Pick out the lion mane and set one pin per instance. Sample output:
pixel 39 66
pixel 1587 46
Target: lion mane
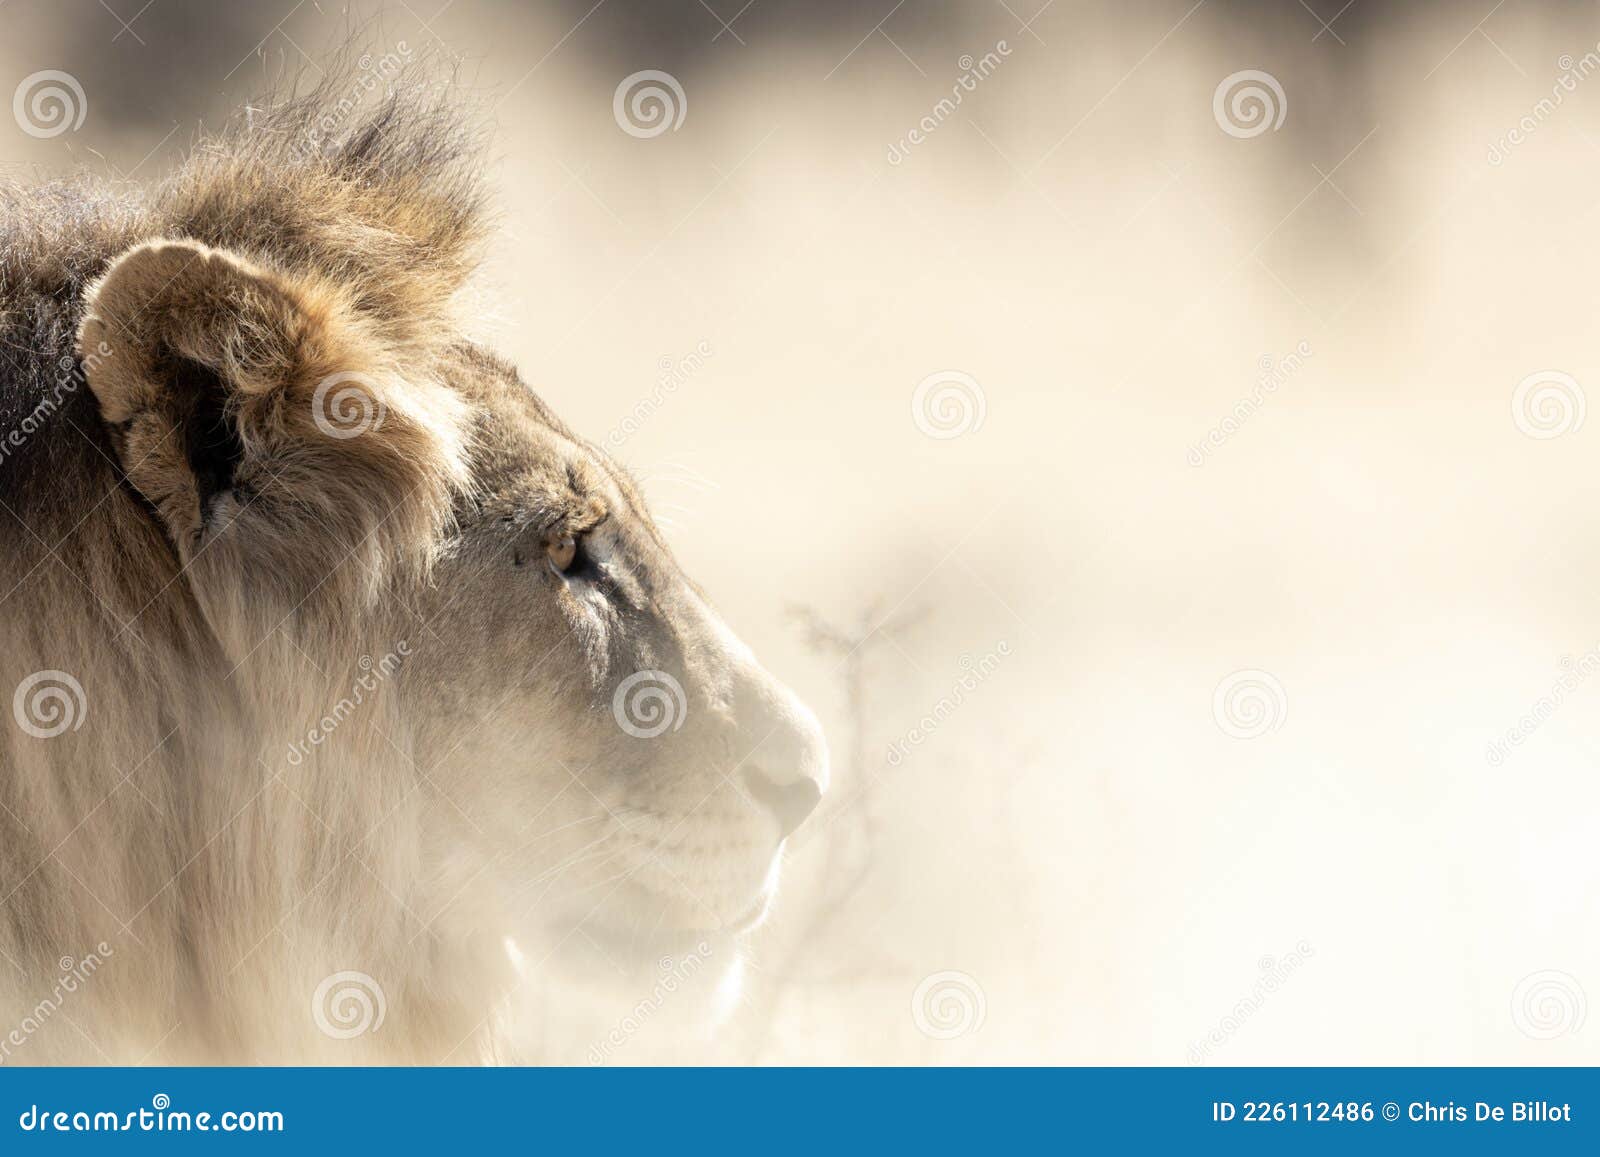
pixel 350 246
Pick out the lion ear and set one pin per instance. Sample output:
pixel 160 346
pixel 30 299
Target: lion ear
pixel 177 341
pixel 261 412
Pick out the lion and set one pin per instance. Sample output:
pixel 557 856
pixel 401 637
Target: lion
pixel 357 700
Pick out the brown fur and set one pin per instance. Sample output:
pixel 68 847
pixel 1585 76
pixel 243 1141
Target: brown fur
pixel 328 707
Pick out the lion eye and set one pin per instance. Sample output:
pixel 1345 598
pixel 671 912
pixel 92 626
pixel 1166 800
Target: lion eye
pixel 562 552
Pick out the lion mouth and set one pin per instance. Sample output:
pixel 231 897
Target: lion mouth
pixel 638 939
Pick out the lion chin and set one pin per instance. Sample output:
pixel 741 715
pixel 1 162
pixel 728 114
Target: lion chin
pixel 361 712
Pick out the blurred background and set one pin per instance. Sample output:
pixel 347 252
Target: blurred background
pixel 1152 435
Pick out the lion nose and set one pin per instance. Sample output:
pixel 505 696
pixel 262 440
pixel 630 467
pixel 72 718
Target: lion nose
pixel 787 772
pixel 790 803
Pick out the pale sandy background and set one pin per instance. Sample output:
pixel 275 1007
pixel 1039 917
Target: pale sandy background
pixel 1119 878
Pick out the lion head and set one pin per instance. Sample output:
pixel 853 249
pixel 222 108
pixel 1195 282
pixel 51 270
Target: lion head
pixel 412 682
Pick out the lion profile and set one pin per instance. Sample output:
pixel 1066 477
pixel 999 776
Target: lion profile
pixel 352 693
